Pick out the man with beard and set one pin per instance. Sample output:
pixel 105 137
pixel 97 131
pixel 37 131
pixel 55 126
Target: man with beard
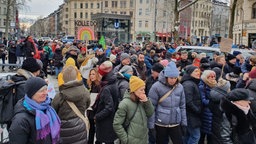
pixel 184 60
pixel 141 66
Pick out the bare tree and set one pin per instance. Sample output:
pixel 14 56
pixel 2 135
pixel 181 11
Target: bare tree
pixel 232 18
pixel 177 10
pixel 12 5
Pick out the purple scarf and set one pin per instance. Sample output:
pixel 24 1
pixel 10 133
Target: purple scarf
pixel 46 123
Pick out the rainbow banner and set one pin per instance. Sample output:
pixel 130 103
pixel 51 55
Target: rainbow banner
pixel 85 33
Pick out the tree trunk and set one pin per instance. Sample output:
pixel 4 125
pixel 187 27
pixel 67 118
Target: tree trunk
pixel 232 19
pixel 8 6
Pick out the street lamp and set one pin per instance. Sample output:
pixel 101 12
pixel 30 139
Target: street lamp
pixel 242 26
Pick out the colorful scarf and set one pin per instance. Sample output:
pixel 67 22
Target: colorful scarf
pixel 47 122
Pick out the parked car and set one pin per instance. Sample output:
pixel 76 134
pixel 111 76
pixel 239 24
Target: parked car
pixel 210 50
pixel 66 39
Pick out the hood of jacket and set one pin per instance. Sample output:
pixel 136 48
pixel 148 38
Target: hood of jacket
pixel 187 77
pixel 162 78
pixel 73 91
pixel 19 108
pixel 216 94
pixel 252 85
pixel 110 78
pixel 21 75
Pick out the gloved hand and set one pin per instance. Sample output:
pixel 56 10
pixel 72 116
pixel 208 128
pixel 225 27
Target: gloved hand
pixel 152 133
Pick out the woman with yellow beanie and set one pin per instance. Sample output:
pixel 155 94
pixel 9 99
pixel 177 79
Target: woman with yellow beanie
pixel 69 62
pixel 130 122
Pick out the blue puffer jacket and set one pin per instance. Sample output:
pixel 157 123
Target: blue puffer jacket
pixel 206 113
pixel 172 110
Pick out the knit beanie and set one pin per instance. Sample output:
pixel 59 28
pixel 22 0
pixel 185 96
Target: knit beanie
pixel 105 68
pixel 124 56
pixel 30 64
pixel 189 69
pixel 69 74
pixel 171 70
pixel 33 84
pixel 235 53
pixel 157 67
pixel 239 94
pixel 135 83
pixel 230 57
pixel 252 74
pixel 70 62
pixel 126 69
pixel 112 57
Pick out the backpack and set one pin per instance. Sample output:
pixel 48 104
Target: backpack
pixel 8 99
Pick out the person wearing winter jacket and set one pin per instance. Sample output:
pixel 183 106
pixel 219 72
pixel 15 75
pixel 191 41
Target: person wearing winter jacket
pixel 236 107
pixel 73 128
pixel 208 81
pixel 130 122
pixel 35 121
pixel 190 81
pixel 221 129
pixel 170 112
pixel 57 61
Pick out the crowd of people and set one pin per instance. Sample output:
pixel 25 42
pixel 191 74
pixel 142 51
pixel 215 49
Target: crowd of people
pixel 145 95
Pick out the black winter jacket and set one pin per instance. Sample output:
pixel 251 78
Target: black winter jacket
pixel 29 48
pixel 23 128
pixel 105 112
pixel 251 86
pixel 221 129
pixel 193 100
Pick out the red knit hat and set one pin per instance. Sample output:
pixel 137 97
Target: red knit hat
pixel 252 73
pixel 83 49
pixel 105 68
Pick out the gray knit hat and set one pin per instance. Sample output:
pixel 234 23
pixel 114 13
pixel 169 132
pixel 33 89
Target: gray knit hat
pixel 126 69
pixel 124 56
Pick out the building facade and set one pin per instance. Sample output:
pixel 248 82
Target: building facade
pixel 244 30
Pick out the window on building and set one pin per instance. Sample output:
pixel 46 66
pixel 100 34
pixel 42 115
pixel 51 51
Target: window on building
pixel 131 3
pixel 86 15
pixel 147 12
pixel 86 5
pixel 5 11
pixel 195 32
pixel 254 11
pixel 141 1
pixel 146 24
pixel 81 15
pixel 106 3
pixel 131 13
pixel 147 1
pixel 196 23
pixel 75 5
pixel 140 24
pixel 4 22
pixel 164 25
pixel 66 22
pixel 66 16
pixel 66 9
pixel 123 4
pixel 91 14
pixel 75 15
pixel 91 5
pixel 164 13
pixel 192 23
pixel 114 4
pixel 81 5
pixel 140 11
pixel 98 5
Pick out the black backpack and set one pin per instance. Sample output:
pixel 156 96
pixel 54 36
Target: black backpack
pixel 8 98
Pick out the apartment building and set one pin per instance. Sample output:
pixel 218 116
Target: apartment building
pixel 244 30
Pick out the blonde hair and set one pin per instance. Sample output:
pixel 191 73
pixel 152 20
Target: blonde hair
pixel 98 78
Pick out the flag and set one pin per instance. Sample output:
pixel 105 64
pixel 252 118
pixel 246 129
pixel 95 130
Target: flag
pixel 102 42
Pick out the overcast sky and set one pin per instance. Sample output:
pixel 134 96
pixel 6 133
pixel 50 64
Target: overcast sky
pixel 38 8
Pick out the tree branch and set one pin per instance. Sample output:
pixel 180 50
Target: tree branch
pixel 187 5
